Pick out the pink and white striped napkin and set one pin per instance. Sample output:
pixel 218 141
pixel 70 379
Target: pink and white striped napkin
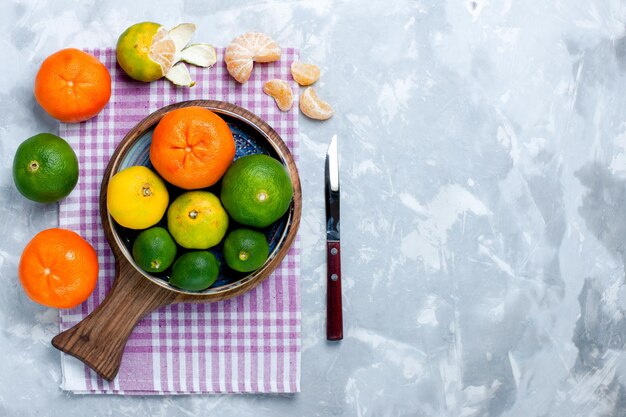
pixel 247 344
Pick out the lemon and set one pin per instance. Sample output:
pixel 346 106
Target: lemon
pixel 137 198
pixel 197 220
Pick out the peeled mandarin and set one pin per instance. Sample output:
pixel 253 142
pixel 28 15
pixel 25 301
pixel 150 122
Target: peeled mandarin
pixel 246 49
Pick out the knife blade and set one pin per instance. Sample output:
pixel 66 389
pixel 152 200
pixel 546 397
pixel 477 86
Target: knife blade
pixel 334 314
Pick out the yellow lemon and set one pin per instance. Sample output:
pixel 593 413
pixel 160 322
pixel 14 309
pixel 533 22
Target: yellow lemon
pixel 137 198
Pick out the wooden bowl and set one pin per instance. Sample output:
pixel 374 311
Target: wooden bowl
pixel 99 339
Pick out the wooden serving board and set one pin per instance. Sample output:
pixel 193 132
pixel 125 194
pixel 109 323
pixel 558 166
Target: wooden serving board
pixel 99 339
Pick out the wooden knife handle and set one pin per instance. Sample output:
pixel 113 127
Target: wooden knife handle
pixel 99 339
pixel 334 314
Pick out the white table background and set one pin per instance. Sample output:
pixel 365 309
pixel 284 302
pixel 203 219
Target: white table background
pixel 483 163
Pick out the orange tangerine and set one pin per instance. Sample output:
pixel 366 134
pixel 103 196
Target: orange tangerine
pixel 58 268
pixel 192 147
pixel 72 86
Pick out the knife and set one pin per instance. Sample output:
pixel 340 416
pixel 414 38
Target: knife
pixel 334 315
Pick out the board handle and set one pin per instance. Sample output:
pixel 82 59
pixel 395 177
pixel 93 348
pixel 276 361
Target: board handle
pixel 99 339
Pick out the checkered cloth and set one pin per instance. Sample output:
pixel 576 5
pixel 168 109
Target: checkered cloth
pixel 247 344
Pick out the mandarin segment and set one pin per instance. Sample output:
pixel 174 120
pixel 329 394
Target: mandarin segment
pixel 305 74
pixel 163 49
pixel 313 107
pixel 246 49
pixel 281 92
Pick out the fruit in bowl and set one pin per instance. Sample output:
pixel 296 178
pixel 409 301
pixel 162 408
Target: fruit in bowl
pixel 154 250
pixel 245 250
pixel 192 147
pixel 256 190
pixel 137 198
pixel 195 271
pixel 191 151
pixel 197 220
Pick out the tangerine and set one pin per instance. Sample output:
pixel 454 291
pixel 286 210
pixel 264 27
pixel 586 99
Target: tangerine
pixel 58 268
pixel 72 86
pixel 197 220
pixel 256 190
pixel 45 168
pixel 145 51
pixel 192 147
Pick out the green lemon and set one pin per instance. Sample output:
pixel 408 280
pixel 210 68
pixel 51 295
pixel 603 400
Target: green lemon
pixel 245 250
pixel 45 168
pixel 154 250
pixel 197 220
pixel 195 271
pixel 256 190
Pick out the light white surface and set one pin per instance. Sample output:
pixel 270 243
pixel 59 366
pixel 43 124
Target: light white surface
pixel 483 179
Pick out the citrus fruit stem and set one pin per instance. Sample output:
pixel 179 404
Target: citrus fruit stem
pixel 146 190
pixel 155 264
pixel 262 196
pixel 243 255
pixel 33 166
pixel 193 214
pixel 46 271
